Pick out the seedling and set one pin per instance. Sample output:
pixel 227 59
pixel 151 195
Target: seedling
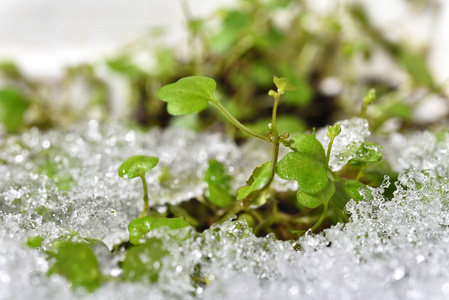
pixel 137 166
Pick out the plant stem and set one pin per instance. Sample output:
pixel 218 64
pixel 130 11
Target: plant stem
pixel 145 197
pixel 236 122
pixel 245 203
pixel 329 148
pixel 323 215
pixel 363 112
pixel 235 209
pixel 275 141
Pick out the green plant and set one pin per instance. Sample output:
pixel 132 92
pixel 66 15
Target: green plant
pixel 137 166
pixel 307 163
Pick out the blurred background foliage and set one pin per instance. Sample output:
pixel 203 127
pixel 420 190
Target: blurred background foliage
pixel 333 58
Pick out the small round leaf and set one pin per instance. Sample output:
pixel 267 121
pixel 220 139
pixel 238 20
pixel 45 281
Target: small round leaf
pixel 138 228
pixel 309 172
pixel 283 84
pixel 188 95
pixel 78 264
pixel 307 144
pixel 345 192
pixel 137 166
pixel 315 200
pixel 143 262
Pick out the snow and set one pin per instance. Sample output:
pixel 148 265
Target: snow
pixel 392 248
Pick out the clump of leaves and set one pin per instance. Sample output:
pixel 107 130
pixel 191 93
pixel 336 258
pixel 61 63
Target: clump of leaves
pixel 307 164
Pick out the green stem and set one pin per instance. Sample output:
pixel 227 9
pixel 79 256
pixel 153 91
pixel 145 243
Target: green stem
pixel 329 148
pixel 275 141
pixel 145 197
pixel 235 209
pixel 236 122
pixel 363 112
pixel 244 204
pixel 323 216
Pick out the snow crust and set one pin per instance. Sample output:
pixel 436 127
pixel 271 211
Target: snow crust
pixel 392 248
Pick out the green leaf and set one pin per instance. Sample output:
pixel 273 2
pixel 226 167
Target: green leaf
pixel 309 172
pixel 352 188
pixel 78 264
pixel 257 181
pixel 218 182
pixel 188 95
pixel 283 84
pixel 366 153
pixel 144 262
pixel 309 145
pixel 172 223
pixel 138 228
pixel 218 196
pixel 137 166
pixel 35 241
pixel 345 192
pixel 316 199
pixel 12 109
